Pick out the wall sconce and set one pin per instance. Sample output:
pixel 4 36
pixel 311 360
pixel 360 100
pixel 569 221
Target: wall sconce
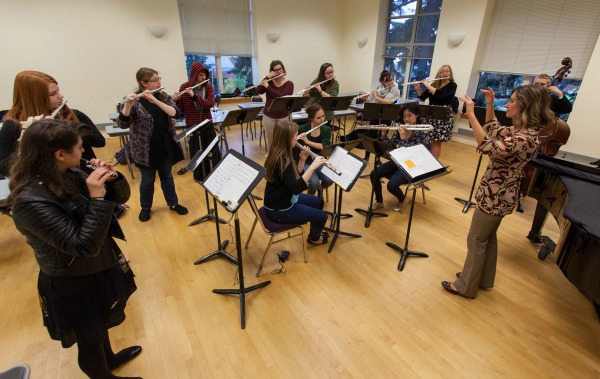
pixel 456 39
pixel 157 31
pixel 273 36
pixel 362 41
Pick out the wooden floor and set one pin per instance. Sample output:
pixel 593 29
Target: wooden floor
pixel 347 314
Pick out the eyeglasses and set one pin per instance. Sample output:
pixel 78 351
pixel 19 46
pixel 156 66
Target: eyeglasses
pixel 154 80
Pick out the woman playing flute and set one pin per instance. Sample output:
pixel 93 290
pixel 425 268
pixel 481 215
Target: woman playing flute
pixel 316 140
pixel 274 88
pixel 401 138
pixel 153 147
pixel 439 92
pixel 36 93
pixel 284 202
pixel 330 88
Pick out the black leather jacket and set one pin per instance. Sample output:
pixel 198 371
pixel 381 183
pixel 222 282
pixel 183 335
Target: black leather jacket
pixel 70 238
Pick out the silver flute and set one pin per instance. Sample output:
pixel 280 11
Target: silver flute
pixel 177 95
pixel 268 80
pixel 429 80
pixel 314 85
pixel 308 132
pixel 57 110
pixel 315 155
pixel 89 165
pixel 423 127
pixel 139 95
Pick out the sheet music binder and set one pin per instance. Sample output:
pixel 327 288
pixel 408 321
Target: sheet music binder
pixel 416 162
pixel 191 130
pixel 233 179
pixel 350 165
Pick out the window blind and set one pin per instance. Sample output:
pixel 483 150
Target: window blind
pixel 533 36
pixel 216 27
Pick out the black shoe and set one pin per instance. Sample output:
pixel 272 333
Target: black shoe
pixel 448 288
pixel 124 356
pixel 144 215
pixel 179 209
pixel 182 171
pixel 458 274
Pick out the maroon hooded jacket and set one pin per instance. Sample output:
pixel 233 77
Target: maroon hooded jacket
pixel 203 100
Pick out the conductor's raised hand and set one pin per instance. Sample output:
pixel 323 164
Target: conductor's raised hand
pixel 469 104
pixel 489 95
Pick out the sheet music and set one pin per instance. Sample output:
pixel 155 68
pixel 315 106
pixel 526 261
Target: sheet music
pixel 344 163
pixel 415 160
pixel 191 130
pixel 229 181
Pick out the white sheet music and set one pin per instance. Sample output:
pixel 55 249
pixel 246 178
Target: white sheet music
pixel 415 160
pixel 344 163
pixel 229 181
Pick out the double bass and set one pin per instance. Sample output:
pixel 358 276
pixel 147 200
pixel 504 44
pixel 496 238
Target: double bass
pixel 553 135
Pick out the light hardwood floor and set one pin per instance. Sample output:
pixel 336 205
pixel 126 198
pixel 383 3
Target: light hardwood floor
pixel 345 314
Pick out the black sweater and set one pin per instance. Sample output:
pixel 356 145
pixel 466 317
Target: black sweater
pixel 278 194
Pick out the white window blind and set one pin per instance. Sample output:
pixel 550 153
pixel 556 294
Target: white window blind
pixel 216 27
pixel 533 36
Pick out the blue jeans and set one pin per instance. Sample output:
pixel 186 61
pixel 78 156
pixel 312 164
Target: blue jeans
pixel 316 177
pixel 166 183
pixel 309 208
pixel 396 179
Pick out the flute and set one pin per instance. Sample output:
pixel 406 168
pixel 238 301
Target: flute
pixel 55 113
pixel 315 155
pixel 308 132
pixel 314 85
pixel 422 127
pixel 139 95
pixel 378 91
pixel 268 80
pixel 89 165
pixel 429 80
pixel 177 95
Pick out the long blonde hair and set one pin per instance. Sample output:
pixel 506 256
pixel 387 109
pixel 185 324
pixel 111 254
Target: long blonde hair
pixel 280 151
pixel 534 102
pixel 438 83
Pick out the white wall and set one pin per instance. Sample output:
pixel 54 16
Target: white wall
pixel 92 48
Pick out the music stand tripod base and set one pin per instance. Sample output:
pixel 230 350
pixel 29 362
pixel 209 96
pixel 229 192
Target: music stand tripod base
pixel 220 253
pixel 468 204
pixel 405 253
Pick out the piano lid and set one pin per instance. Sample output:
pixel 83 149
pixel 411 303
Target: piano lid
pixel 569 164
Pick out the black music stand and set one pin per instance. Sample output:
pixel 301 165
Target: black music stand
pixel 480 114
pixel 196 160
pixel 327 151
pixel 213 213
pixel 353 166
pixel 415 183
pixel 332 104
pixel 434 112
pixel 379 148
pixel 380 112
pixel 289 104
pixel 231 182
pixel 247 115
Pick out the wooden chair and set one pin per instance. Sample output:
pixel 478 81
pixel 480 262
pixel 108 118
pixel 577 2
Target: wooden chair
pixel 273 229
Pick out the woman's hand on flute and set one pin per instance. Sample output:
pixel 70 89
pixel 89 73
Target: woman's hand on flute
pixel 101 164
pixel 317 162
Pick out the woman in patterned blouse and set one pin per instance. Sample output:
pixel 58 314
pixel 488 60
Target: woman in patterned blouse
pixel 509 149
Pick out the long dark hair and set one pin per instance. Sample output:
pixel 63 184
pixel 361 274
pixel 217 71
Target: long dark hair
pixel 321 76
pixel 414 109
pixel 280 151
pixel 36 162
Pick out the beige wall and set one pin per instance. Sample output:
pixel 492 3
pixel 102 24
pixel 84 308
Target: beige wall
pixel 92 48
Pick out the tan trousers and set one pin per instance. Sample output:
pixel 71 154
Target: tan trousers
pixel 269 125
pixel 479 270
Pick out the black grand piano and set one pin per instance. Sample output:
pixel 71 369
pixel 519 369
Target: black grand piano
pixel 569 189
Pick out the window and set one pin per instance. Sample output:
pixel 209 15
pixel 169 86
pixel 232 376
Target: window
pixel 235 72
pixel 410 41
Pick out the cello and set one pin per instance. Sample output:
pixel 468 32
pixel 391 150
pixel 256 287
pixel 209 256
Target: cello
pixel 553 135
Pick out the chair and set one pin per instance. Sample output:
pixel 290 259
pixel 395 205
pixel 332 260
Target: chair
pixel 273 229
pixel 16 372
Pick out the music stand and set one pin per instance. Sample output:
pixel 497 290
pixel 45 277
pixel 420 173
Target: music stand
pixel 380 112
pixel 212 213
pixel 289 104
pixel 353 166
pixel 434 112
pixel 327 151
pixel 378 148
pixel 480 114
pixel 332 104
pixel 416 181
pixel 231 182
pixel 247 115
